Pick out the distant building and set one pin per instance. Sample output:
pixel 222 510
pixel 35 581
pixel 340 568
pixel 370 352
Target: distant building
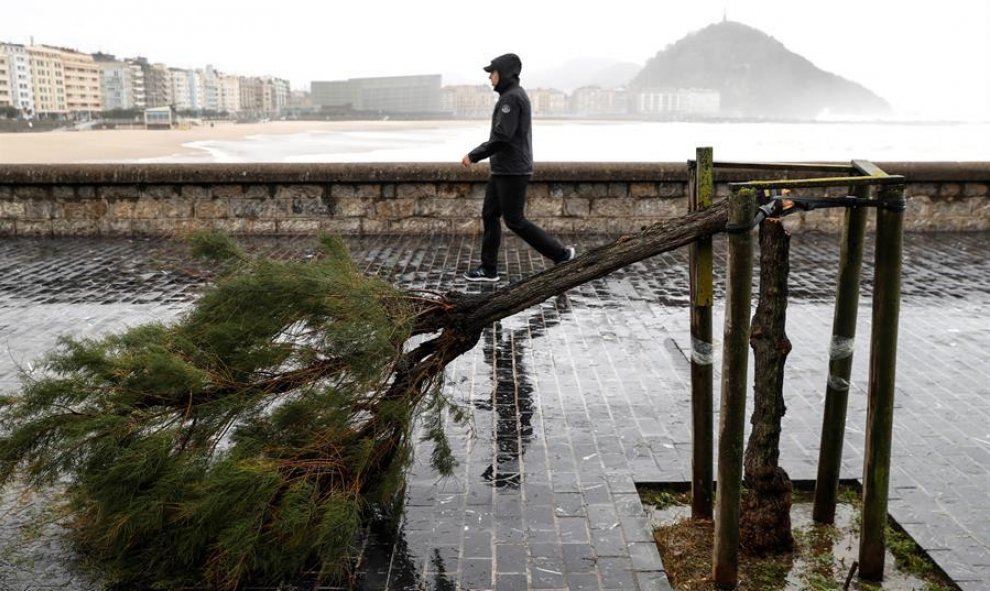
pixel 17 78
pixel 186 90
pixel 335 93
pixel 121 83
pixel 82 82
pixel 391 94
pixel 597 101
pixel 678 101
pixel 158 118
pixel 230 93
pixel 548 102
pixel 252 95
pixel 300 100
pixel 467 101
pixel 5 100
pixel 275 94
pixel 210 83
pixel 157 83
pixel 56 82
pixel 47 81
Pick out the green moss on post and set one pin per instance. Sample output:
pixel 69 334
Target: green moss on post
pixel 702 490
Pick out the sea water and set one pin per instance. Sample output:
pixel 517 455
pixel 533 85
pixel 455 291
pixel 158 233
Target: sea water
pixel 612 141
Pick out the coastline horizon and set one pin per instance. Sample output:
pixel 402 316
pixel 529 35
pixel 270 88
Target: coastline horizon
pixel 555 140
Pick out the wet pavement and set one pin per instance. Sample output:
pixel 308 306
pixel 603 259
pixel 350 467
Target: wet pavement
pixel 572 403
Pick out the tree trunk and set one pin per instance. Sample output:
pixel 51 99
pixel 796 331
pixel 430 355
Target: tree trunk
pixel 765 523
pixel 459 318
pixel 466 313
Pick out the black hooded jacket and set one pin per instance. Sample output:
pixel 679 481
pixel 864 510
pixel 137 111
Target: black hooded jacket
pixel 510 145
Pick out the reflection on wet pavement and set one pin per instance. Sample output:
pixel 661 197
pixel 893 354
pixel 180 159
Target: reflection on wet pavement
pixel 512 397
pixel 575 400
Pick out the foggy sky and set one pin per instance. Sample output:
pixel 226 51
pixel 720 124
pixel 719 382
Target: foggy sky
pixel 929 59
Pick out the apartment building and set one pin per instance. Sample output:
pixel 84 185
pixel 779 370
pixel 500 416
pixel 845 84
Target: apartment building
pixel 121 83
pixel 279 91
pixel 157 83
pixel 468 101
pixel 47 81
pixel 548 102
pixel 186 89
pixel 5 93
pixel 17 81
pixel 230 93
pixel 211 88
pixel 676 101
pixel 81 77
pixel 596 101
pixel 252 91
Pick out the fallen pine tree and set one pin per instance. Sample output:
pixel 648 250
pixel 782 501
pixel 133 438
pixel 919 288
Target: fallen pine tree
pixel 250 440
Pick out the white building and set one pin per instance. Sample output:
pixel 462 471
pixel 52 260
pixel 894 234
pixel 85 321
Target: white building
pixel 121 85
pixel 210 83
pixel 275 94
pixel 158 118
pixel 186 94
pixel 597 101
pixel 677 101
pixel 20 92
pixel 230 93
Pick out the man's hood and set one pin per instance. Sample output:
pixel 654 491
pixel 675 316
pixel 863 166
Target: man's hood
pixel 509 66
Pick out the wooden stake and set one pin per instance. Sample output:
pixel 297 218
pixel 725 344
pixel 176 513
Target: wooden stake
pixel 702 358
pixel 840 361
pixel 732 422
pixel 883 361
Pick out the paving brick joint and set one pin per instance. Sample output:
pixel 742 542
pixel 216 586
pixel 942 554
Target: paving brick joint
pixel 571 403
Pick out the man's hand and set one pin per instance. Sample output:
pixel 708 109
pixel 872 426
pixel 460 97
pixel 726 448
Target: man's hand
pixel 466 161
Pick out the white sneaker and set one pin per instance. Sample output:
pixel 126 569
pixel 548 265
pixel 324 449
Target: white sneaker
pixel 480 274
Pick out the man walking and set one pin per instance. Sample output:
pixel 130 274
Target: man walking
pixel 510 147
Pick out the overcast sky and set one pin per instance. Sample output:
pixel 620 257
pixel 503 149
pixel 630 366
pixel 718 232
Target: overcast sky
pixel 929 58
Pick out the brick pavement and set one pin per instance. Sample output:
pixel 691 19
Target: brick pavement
pixel 575 401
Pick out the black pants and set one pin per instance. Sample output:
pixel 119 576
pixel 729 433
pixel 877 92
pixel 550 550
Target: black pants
pixel 505 198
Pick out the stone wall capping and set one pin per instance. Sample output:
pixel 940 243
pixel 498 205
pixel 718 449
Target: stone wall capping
pixel 153 199
pixel 399 172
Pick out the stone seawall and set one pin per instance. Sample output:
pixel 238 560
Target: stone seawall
pixel 121 200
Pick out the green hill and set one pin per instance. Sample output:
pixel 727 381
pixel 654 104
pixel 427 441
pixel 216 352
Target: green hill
pixel 756 75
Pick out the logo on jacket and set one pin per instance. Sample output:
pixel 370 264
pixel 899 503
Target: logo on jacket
pixel 505 108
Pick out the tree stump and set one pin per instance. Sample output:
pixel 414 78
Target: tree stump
pixel 765 522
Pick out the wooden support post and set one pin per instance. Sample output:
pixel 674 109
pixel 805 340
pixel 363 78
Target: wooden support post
pixel 702 358
pixel 883 361
pixel 735 358
pixel 840 361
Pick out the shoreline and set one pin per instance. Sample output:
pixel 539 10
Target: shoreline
pixel 560 140
pixel 128 145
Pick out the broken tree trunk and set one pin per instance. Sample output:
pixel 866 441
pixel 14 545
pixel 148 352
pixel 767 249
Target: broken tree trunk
pixel 467 313
pixel 250 439
pixel 765 522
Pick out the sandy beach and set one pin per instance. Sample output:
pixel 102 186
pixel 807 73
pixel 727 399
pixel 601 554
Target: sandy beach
pixel 301 142
pixel 127 145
